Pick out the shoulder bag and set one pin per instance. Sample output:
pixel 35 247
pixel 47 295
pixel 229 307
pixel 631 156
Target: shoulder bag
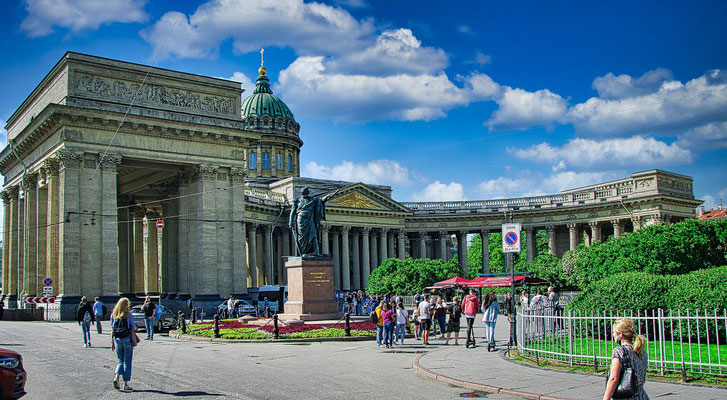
pixel 628 385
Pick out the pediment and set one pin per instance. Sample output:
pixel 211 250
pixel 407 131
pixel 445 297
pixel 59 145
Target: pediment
pixel 360 196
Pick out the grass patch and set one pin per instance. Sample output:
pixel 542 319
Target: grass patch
pixel 324 333
pixel 239 334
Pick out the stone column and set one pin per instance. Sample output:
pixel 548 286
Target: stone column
pixel 430 246
pixel 108 219
pixel 636 221
pixel 401 239
pixel 269 262
pixel 31 220
pixel 205 243
pixel 462 250
pixel 345 259
pixel 383 242
pixel 374 250
pixel 260 255
pixel 138 237
pixel 365 255
pixel 485 234
pixel 325 246
pixel 259 160
pixel 532 251
pixel 595 231
pixel 618 227
pixel 285 233
pixel 443 245
pixel 252 256
pixel 40 230
pixel 278 245
pixel 69 260
pixel 239 247
pixel 53 221
pixel 7 226
pixel 20 244
pixel 552 245
pixel 151 257
pixel 573 236
pixel 422 244
pixel 390 245
pixel 12 254
pixel 356 260
pixel 336 260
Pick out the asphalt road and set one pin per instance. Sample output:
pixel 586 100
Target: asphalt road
pixel 60 368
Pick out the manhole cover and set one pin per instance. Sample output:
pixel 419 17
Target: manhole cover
pixel 472 395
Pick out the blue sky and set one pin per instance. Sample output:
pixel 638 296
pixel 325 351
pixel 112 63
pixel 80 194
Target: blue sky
pixel 441 100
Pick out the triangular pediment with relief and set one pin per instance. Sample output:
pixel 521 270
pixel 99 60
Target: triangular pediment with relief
pixel 360 196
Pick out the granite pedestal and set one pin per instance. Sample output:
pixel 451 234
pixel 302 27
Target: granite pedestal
pixel 310 290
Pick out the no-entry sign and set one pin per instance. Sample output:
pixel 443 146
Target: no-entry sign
pixel 160 224
pixel 511 238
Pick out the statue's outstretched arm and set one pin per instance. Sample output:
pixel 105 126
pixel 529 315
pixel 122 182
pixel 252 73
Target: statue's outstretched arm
pixel 329 195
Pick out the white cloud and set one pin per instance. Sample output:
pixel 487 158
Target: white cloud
pixel 684 104
pixel 309 88
pixel 244 80
pixel 504 187
pixel 711 136
pixel 520 109
pixel 611 86
pixel 482 58
pixel 377 172
pixel 535 184
pixel 572 180
pixel 588 153
pixel 309 28
pixel 352 3
pixel 712 201
pixel 396 51
pixel 438 191
pixel 77 15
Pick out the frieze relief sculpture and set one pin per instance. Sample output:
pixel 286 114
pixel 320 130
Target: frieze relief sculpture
pixel 154 94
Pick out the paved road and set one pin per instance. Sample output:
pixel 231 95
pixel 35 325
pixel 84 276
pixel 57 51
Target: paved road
pixel 60 368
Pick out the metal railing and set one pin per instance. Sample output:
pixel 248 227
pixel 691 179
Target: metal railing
pixel 677 340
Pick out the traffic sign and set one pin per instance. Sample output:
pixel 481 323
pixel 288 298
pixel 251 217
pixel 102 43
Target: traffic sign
pixel 39 300
pixel 48 291
pixel 160 224
pixel 47 282
pixel 511 238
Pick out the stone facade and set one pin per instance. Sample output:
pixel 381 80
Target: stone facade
pixel 106 152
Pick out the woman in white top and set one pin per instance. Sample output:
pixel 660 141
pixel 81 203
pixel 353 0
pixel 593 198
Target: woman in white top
pixel 402 318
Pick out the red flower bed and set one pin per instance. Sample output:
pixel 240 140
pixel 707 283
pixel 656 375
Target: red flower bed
pixel 285 329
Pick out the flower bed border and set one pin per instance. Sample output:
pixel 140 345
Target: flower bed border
pixel 183 336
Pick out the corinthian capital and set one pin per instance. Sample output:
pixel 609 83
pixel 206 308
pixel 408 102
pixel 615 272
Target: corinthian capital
pixel 109 162
pixel 206 172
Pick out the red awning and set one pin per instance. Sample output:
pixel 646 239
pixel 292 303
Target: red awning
pixel 504 281
pixel 457 280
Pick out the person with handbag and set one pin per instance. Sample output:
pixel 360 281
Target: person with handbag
pixel 123 340
pixel 627 374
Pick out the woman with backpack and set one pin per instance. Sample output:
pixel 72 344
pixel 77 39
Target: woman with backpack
pixel 455 314
pixel 123 328
pixel 490 309
pixel 84 317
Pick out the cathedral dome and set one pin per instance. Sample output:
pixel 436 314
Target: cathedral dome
pixel 265 111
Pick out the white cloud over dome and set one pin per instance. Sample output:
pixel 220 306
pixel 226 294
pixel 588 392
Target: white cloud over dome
pixel 582 153
pixel 521 109
pixel 438 191
pixel 377 172
pixel 78 15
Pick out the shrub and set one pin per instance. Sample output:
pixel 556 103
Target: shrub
pixel 411 275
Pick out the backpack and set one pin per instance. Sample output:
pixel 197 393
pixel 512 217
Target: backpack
pixel 456 312
pixel 373 317
pixel 120 328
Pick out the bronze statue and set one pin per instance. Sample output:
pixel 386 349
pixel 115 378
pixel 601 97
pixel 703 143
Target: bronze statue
pixel 305 222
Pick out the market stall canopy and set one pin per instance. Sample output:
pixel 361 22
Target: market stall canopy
pixel 457 280
pixel 504 281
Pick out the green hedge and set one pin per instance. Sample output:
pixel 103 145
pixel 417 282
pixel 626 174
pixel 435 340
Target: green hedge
pixel 411 275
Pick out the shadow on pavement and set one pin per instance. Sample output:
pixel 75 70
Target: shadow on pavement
pixel 178 394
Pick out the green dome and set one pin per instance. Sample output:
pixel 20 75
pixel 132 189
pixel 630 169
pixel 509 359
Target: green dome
pixel 263 103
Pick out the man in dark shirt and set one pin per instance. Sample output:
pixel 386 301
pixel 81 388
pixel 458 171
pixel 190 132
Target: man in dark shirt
pixel 149 315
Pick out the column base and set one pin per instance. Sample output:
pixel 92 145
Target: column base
pixel 68 306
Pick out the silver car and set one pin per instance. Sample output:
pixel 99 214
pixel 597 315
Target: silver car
pixel 166 320
pixel 244 307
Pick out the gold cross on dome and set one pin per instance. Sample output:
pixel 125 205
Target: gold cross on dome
pixel 262 57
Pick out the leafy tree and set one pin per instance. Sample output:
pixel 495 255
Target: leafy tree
pixel 411 275
pixel 497 257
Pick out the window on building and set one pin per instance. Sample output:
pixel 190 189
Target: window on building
pixel 266 160
pixel 252 163
pixel 279 162
pixel 290 163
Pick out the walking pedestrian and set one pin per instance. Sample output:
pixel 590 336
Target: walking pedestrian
pixel 415 321
pixel 122 329
pixel 441 315
pixel 630 352
pixel 525 300
pixel 99 309
pixel 470 305
pixel 453 325
pixel 536 303
pixel 149 314
pixel 379 324
pixel 231 307
pixel 490 310
pixel 85 317
pixel 402 321
pixel 425 318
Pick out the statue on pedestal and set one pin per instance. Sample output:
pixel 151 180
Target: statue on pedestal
pixel 305 222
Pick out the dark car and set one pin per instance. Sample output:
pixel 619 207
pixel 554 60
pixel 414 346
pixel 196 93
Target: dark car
pixel 165 320
pixel 12 375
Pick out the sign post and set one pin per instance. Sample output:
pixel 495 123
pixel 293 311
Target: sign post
pixel 511 244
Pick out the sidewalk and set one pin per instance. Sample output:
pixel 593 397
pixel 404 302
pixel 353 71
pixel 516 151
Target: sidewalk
pixel 491 372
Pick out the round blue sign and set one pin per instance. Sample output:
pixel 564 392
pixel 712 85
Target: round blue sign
pixel 47 281
pixel 511 238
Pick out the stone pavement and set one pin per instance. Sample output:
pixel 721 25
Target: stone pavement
pixel 491 372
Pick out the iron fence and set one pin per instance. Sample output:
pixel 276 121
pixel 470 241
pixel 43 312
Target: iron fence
pixel 677 340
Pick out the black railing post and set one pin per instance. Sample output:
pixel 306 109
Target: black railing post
pixel 217 325
pixel 276 331
pixel 347 328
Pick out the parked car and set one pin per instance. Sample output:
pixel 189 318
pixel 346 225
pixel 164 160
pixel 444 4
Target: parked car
pixel 12 375
pixel 244 307
pixel 165 320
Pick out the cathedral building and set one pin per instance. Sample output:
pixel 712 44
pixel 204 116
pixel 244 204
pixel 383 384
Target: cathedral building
pixel 103 150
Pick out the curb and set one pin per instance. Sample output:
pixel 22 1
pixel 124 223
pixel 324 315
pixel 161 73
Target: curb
pixel 477 386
